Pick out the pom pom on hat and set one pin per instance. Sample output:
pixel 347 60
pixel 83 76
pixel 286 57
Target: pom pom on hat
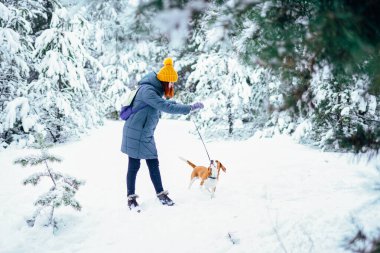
pixel 167 73
pixel 168 61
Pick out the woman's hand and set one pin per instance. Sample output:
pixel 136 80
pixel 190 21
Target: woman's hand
pixel 196 106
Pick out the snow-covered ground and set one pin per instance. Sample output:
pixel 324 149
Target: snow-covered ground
pixel 277 196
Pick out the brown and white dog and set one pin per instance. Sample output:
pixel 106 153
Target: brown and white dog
pixel 208 175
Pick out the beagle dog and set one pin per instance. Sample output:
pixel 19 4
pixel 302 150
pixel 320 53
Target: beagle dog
pixel 208 175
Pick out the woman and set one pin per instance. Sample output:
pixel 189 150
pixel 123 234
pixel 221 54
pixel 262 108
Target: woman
pixel 138 133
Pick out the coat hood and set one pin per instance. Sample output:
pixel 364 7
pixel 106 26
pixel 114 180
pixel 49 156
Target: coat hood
pixel 151 79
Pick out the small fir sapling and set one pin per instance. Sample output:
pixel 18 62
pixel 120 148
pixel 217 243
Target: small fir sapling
pixel 63 187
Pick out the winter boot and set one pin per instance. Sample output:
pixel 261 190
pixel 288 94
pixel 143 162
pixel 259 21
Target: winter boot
pixel 132 203
pixel 165 200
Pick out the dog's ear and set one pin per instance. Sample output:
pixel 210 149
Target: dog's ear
pixel 220 165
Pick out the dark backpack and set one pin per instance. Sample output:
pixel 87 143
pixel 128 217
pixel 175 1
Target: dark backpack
pixel 126 109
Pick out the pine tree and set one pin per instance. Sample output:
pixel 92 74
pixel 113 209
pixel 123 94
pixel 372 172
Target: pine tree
pixel 29 97
pixel 126 45
pixel 224 85
pixel 298 40
pixel 15 56
pixel 215 75
pixel 61 95
pixel 109 19
pixel 290 39
pixel 62 191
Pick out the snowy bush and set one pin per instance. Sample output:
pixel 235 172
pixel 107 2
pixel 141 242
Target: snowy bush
pixel 19 124
pixel 345 114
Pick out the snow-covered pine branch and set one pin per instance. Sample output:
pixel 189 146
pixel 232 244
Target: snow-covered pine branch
pixel 19 109
pixel 37 160
pixel 35 178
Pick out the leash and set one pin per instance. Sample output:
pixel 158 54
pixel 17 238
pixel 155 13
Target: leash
pixel 202 140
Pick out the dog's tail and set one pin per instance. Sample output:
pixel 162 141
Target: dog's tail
pixel 187 161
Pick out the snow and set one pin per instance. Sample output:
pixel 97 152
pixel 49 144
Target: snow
pixel 215 34
pixel 357 97
pixel 4 12
pixel 275 194
pixel 345 111
pixel 19 106
pixel 23 66
pixel 372 104
pixel 266 7
pixel 53 64
pixel 173 24
pixel 302 130
pixel 10 40
pixel 58 17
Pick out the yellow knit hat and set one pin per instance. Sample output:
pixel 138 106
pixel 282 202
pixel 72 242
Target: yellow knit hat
pixel 167 72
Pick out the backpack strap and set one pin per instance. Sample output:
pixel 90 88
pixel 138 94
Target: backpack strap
pixel 133 100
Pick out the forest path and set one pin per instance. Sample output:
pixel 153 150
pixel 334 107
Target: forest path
pixel 276 195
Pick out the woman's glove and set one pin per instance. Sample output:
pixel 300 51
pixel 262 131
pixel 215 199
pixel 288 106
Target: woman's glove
pixel 196 106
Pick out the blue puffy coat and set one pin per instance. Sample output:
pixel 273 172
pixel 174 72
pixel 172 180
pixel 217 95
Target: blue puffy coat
pixel 138 132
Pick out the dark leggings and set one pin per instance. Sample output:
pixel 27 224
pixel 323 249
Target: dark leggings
pixel 154 171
